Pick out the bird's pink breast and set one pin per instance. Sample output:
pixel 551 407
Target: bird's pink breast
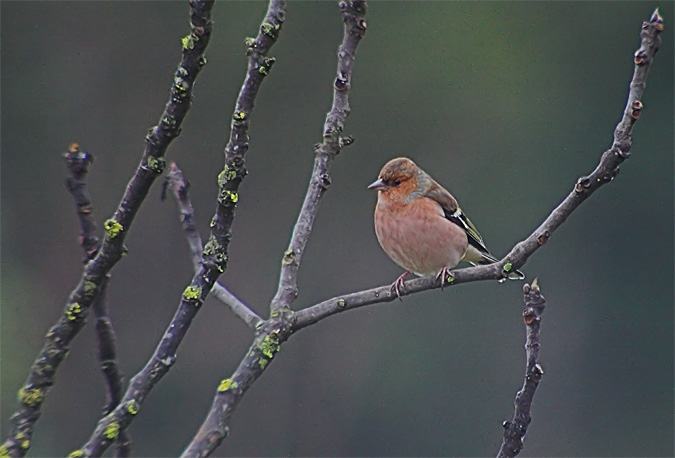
pixel 418 237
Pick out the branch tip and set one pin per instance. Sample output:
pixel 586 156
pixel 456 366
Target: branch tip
pixel 657 18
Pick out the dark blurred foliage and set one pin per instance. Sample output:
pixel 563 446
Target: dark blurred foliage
pixel 506 104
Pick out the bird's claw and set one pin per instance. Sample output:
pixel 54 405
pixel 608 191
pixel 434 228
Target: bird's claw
pixel 444 276
pixel 399 285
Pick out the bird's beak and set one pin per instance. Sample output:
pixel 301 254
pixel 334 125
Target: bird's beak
pixel 379 185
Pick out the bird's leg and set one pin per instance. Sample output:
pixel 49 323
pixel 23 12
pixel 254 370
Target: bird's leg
pixel 443 275
pixel 399 284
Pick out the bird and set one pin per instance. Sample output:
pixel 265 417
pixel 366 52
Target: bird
pixel 421 227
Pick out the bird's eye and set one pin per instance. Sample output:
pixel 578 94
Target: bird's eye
pixel 397 182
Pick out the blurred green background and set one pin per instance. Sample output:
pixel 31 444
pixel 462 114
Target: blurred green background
pixel 506 104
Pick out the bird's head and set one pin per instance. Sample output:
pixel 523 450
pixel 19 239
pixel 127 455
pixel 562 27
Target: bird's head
pixel 397 180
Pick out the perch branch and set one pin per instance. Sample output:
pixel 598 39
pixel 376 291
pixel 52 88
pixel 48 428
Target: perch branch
pixel 180 188
pixel 60 335
pixel 276 330
pixel 605 172
pixel 515 430
pixel 214 260
pixel 78 161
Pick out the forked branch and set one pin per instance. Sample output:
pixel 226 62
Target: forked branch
pixel 214 259
pixel 180 188
pixel 604 173
pixel 273 332
pixel 57 341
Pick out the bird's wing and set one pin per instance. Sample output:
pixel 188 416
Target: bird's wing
pixel 453 213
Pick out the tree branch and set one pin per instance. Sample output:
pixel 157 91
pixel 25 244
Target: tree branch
pixel 515 430
pixel 180 188
pixel 59 337
pixel 355 28
pixel 605 172
pixel 276 330
pixel 214 260
pixel 78 161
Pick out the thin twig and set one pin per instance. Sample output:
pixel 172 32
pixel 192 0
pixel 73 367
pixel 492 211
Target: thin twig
pixel 214 260
pixel 276 330
pixel 605 172
pixel 515 430
pixel 180 188
pixel 78 161
pixel 107 355
pixel 61 334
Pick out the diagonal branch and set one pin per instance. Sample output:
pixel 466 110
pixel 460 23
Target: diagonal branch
pixel 276 330
pixel 180 188
pixel 215 251
pixel 515 430
pixel 605 172
pixel 61 334
pixel 355 29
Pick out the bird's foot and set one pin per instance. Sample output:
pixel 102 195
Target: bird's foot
pixel 399 285
pixel 445 276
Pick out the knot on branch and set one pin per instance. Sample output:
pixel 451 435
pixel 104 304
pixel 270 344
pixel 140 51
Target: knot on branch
pixel 582 185
pixel 341 82
pixel 636 109
pixel 168 361
pixel 271 30
pixel 289 257
pixel 346 141
pixel 543 237
pixel 325 180
pixel 534 303
pixel 619 152
pixel 154 164
pixel 266 65
pixel 214 255
pixel 640 58
pixel 352 14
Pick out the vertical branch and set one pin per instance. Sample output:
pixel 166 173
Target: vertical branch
pixel 57 341
pixel 214 259
pixel 515 430
pixel 277 329
pixel 107 356
pixel 353 13
pixel 78 162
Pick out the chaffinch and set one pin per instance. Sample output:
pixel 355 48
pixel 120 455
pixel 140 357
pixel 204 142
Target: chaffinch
pixel 421 227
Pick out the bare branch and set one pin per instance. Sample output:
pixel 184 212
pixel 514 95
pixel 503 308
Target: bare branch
pixel 59 337
pixel 78 162
pixel 355 28
pixel 107 355
pixel 214 260
pixel 515 430
pixel 273 332
pixel 605 172
pixel 180 188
